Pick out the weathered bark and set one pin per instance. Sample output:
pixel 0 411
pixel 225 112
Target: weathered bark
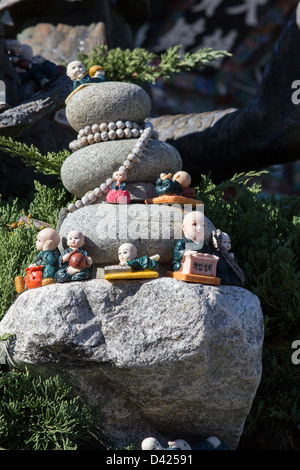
pixel 16 120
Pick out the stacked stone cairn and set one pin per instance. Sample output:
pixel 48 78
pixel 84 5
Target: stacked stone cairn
pixel 162 358
pixel 113 134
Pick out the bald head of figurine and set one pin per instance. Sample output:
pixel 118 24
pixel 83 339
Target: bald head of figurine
pixel 47 239
pixel 127 252
pixel 76 70
pixel 150 443
pixel 183 178
pixel 194 226
pixel 75 239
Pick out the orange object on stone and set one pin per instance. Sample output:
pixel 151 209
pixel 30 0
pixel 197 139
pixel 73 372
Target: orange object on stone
pixel 34 276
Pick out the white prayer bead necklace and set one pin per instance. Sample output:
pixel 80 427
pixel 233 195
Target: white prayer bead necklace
pixel 132 158
pixel 104 132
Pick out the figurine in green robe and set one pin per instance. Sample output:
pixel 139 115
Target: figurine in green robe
pixel 128 257
pixel 77 73
pixel 46 262
pixel 74 263
pixel 47 241
pixel 167 184
pixel 194 230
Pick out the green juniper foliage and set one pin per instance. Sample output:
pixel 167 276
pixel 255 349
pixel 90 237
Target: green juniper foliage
pixel 38 414
pixel 265 234
pixel 49 164
pixel 141 66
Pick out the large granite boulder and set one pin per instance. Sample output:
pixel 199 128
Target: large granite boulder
pixel 161 357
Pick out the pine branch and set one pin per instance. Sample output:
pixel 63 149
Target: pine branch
pixel 140 65
pixel 49 164
pixel 237 180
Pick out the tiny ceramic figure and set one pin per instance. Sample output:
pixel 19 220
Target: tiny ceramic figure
pixel 128 256
pixel 77 73
pixel 179 444
pixel 227 268
pixel 118 193
pixel 21 65
pixel 193 260
pixel 74 263
pixel 150 443
pixel 45 265
pixel 174 185
pixel 96 71
pixel 211 443
pixel 192 241
pixel 43 71
pixel 174 189
pixel 132 267
pixel 35 68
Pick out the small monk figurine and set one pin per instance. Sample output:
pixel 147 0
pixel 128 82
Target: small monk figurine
pixel 172 185
pixel 42 271
pixel 193 260
pixel 174 189
pixel 118 193
pixel 194 230
pixel 74 263
pixel 131 266
pixel 227 268
pixel 128 257
pixel 77 73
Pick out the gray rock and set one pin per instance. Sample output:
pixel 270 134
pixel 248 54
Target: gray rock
pixel 153 229
pixel 161 357
pixel 138 192
pixel 108 102
pixel 141 191
pixel 90 166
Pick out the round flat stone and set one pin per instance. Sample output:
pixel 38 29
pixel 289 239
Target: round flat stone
pixel 108 102
pixel 92 165
pixel 153 229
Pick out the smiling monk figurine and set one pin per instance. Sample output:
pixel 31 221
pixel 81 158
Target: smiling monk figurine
pixel 74 263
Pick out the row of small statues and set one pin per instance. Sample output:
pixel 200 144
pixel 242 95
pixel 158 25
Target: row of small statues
pixel 211 443
pixel 36 68
pixel 75 264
